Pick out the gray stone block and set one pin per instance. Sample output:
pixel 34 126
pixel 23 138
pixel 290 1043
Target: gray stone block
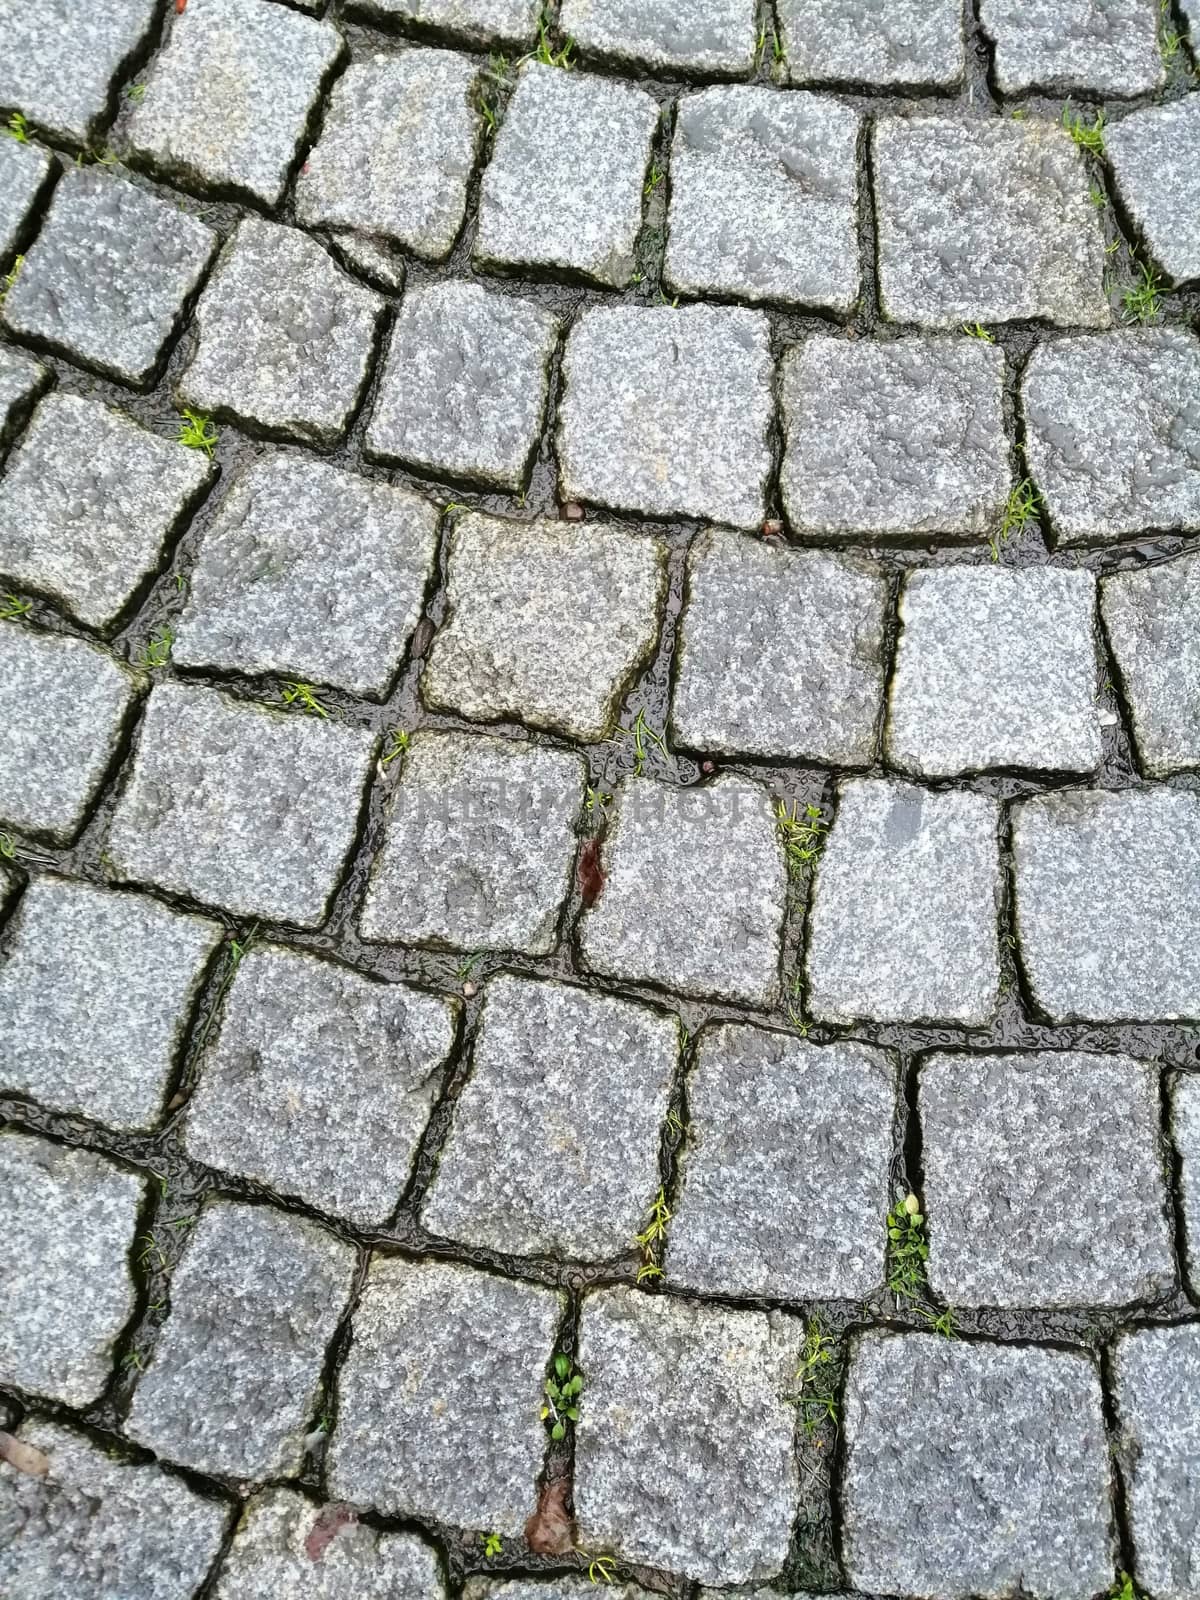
pixel 789 1204
pixel 479 846
pixel 439 1440
pixel 1107 887
pixel 764 198
pixel 905 44
pixel 673 38
pixel 235 1375
pixel 574 1088
pixel 240 806
pixel 464 385
pixel 1191 16
pixel 692 1401
pixel 894 440
pixel 310 572
pixel 25 171
pixel 996 667
pixel 374 259
pixel 986 220
pixel 1152 617
pixel 61 64
pixel 22 379
pixel 1063 46
pixel 108 279
pixel 548 623
pixel 668 412
pixel 70 1220
pixel 1155 156
pixel 1003 1448
pixel 1185 1133
pixel 694 892
pixel 482 23
pixel 286 337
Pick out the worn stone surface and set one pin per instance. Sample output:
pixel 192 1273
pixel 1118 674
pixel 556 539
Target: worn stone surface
pixel 374 259
pixel 574 1087
pixel 995 667
pixel 548 622
pixel 667 412
pixel 708 38
pixel 479 846
pixel 986 220
pixel 60 64
pixel 787 1205
pixel 1007 1443
pixel 1152 618
pixel 902 925
pixel 1185 1133
pixel 310 572
pixel 464 385
pixel 780 653
pixel 24 174
pixel 1062 46
pixel 690 1399
pixel 1128 460
pixel 1191 16
pixel 22 379
pixel 1155 155
pixel 1043 1180
pixel 69 1222
pixel 240 806
pixel 695 891
pixel 108 278
pixel 474 22
pixel 95 997
pixel 1108 903
pixel 63 705
pixel 905 44
pixel 764 202
pixel 235 1375
pixel 89 504
pixel 417 1434
pixel 894 440
pixel 286 337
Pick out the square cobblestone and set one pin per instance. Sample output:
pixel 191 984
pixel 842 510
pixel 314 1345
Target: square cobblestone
pixel 63 706
pixel 694 892
pixel 1129 460
pixel 60 64
pixel 70 1220
pixel 473 22
pixel 89 504
pixel 95 997
pixel 1107 889
pixel 563 189
pixel 1022 1156
pixel 894 440
pixel 1155 156
pixel 1064 46
pixel 707 38
pixel 479 846
pixel 464 385
pixel 764 198
pixel 1152 617
pixel 668 412
pixel 789 1206
pixel 904 44
pixel 986 221
pixel 25 171
pixel 319 1083
pixel 780 653
pixel 229 99
pixel 1008 1446
pixel 110 275
pixel 690 1399
pixel 240 806
pixel 548 623
pixel 22 379
pixel 902 925
pixel 574 1087
pixel 310 572
pixel 235 1375
pixel 995 667
pixel 1185 1132
pixel 412 1438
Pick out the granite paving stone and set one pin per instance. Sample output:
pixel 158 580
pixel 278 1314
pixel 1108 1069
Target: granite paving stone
pixel 1152 618
pixel 902 926
pixel 90 503
pixel 311 572
pixel 22 379
pixel 439 1399
pixel 548 622
pixel 379 262
pixel 1155 156
pixel 240 806
pixel 95 996
pixel 903 44
pixel 764 198
pixel 25 171
pixel 464 385
pixel 1185 1133
pixel 479 846
pixel 235 1376
pixel 473 22
pixel 1068 46
pixel 692 1400
pixel 70 1220
pixel 789 1205
pixel 60 64
pixel 668 412
pixel 110 275
pixel 1008 1445
pixel 318 1083
pixel 705 38
pixel 574 1087
pixel 1107 888
pixel 1191 16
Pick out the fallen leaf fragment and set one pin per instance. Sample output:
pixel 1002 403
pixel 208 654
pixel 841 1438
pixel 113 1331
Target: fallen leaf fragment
pixel 592 876
pixel 550 1531
pixel 327 1524
pixel 26 1458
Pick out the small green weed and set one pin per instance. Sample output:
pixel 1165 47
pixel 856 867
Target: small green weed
pixel 642 734
pixel 304 698
pixel 1087 137
pixel 8 846
pixel 492 1544
pixel 1169 39
pixel 494 82
pixel 10 278
pixel 12 606
pixel 655 177
pixel 399 742
pixel 802 833
pixel 17 128
pixel 945 1322
pixel 794 999
pixel 1020 509
pixel 197 432
pixel 562 1397
pixel 547 54
pixel 132 1360
pixel 1143 302
pixel 157 651
pixel 814 1394
pixel 1098 197
pixel 136 91
pixel 976 330
pixel 652 1238
pixel 601 1569
pixel 675 1124
pixel 151 1255
pixel 907 1249
pixel 1123 1589
pixel 598 800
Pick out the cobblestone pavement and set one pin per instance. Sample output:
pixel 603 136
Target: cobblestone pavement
pixel 599 823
